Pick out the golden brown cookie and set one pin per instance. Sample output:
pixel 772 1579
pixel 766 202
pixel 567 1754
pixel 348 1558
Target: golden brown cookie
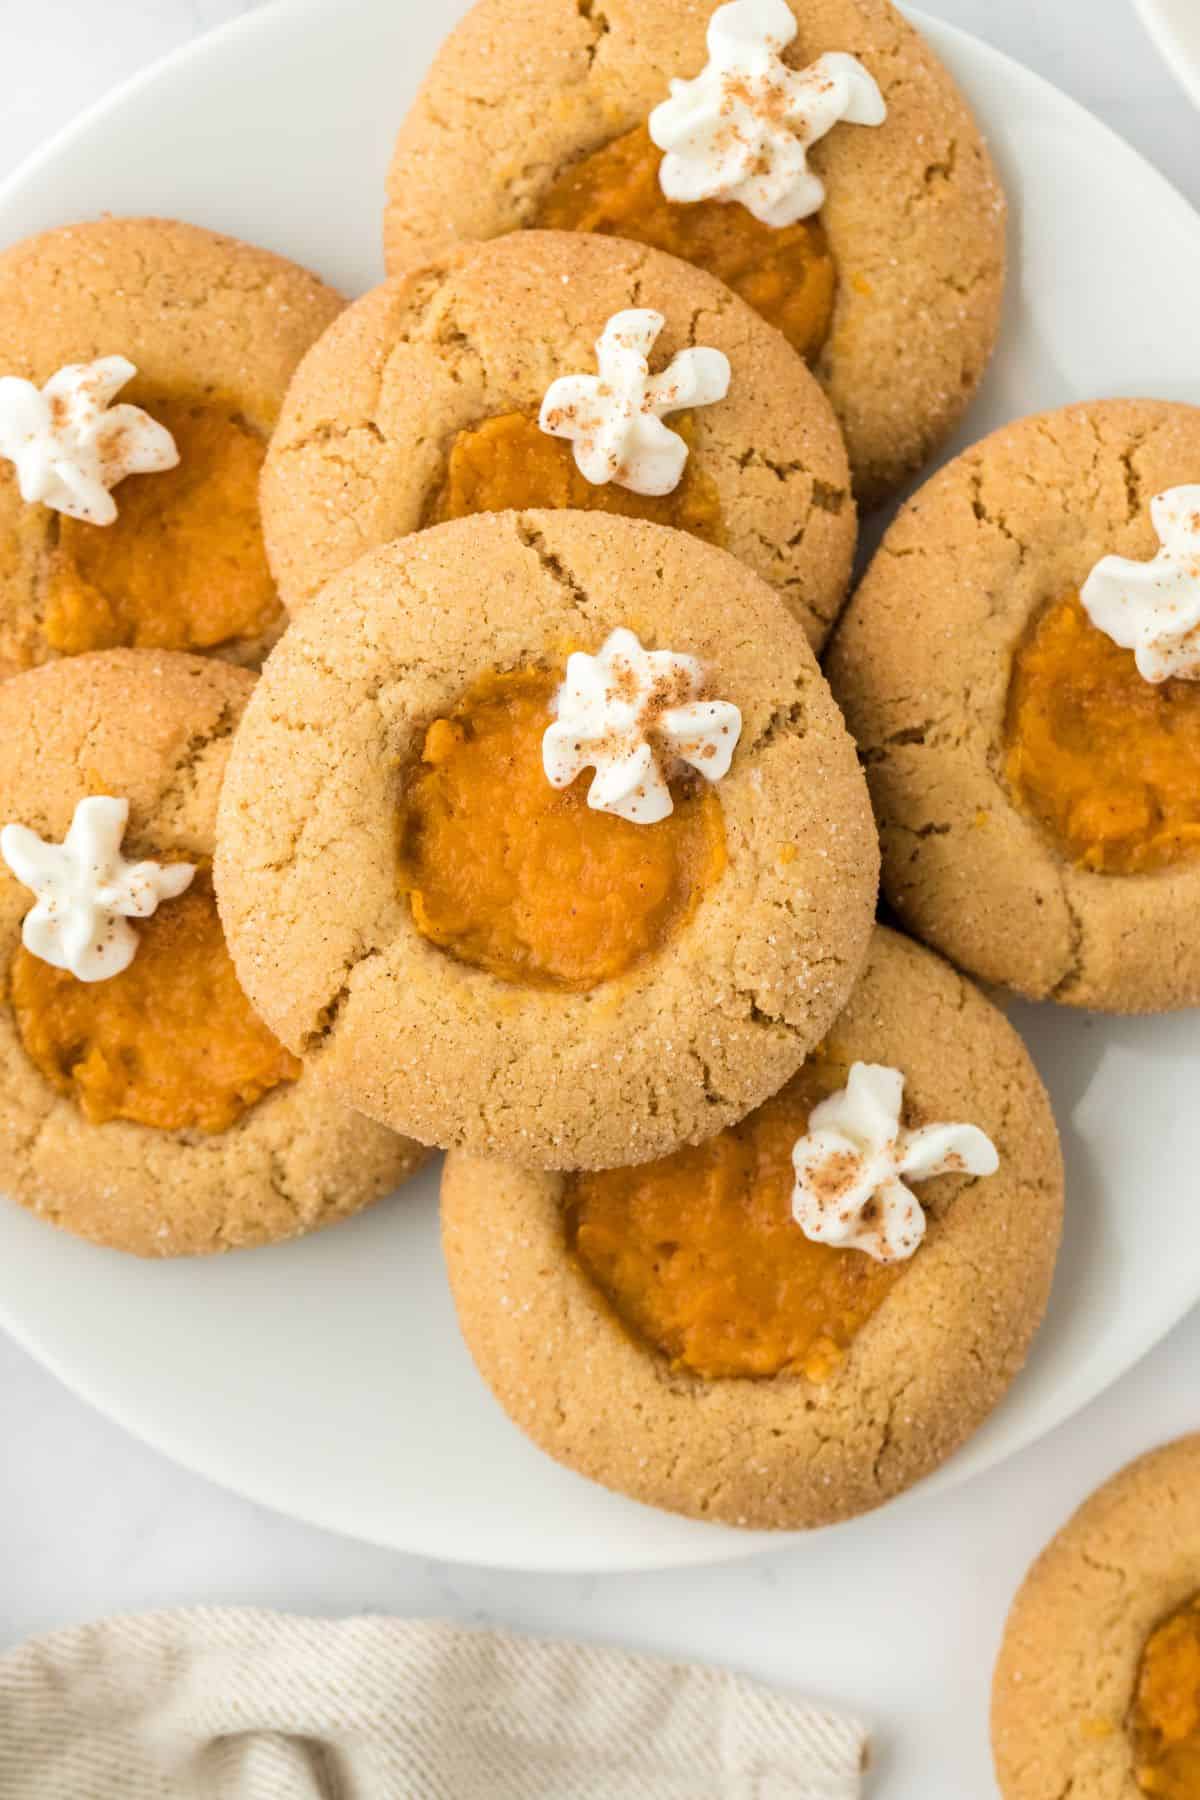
pixel 1097 1688
pixel 215 329
pixel 798 1384
pixel 1038 800
pixel 482 960
pixel 421 403
pixel 524 92
pixel 153 1111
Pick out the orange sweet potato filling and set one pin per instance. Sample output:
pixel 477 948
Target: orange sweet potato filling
pixel 171 1043
pixel 183 566
pixel 699 1255
pixel 1164 1724
pixel 514 876
pixel 509 462
pixel 788 275
pixel 1108 762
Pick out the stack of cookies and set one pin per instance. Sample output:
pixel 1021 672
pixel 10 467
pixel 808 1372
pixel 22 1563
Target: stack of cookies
pixel 542 838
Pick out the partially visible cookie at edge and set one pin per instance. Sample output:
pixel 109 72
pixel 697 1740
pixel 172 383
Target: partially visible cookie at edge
pixel 214 329
pixel 154 729
pixel 977 581
pixel 1097 1671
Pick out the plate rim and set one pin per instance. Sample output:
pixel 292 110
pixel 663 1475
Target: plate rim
pixel 695 1553
pixel 113 98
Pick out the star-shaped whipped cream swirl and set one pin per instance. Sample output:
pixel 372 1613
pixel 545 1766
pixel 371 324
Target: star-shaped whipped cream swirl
pixel 850 1166
pixel 70 445
pixel 86 890
pixel 742 129
pixel 1153 608
pixel 615 418
pixel 635 716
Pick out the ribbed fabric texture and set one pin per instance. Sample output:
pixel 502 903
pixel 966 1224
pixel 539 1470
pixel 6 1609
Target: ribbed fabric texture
pixel 245 1705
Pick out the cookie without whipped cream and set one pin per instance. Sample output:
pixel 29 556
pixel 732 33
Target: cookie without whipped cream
pixel 1097 1686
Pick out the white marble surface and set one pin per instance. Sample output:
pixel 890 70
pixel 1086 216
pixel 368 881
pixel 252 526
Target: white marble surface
pixel 92 1522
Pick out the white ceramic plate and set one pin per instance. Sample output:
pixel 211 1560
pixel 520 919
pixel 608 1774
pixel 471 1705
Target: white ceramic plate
pixel 327 1378
pixel 1175 27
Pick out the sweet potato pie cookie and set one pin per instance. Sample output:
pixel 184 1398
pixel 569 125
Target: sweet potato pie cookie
pixel 142 366
pixel 791 1322
pixel 143 1104
pixel 815 157
pixel 549 369
pixel 1021 669
pixel 1097 1689
pixel 477 942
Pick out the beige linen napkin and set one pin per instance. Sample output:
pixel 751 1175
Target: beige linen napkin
pixel 244 1705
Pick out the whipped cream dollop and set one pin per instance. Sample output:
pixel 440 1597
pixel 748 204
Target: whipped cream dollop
pixel 634 716
pixel 1153 608
pixel 615 418
pixel 86 890
pixel 851 1163
pixel 70 445
pixel 742 129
